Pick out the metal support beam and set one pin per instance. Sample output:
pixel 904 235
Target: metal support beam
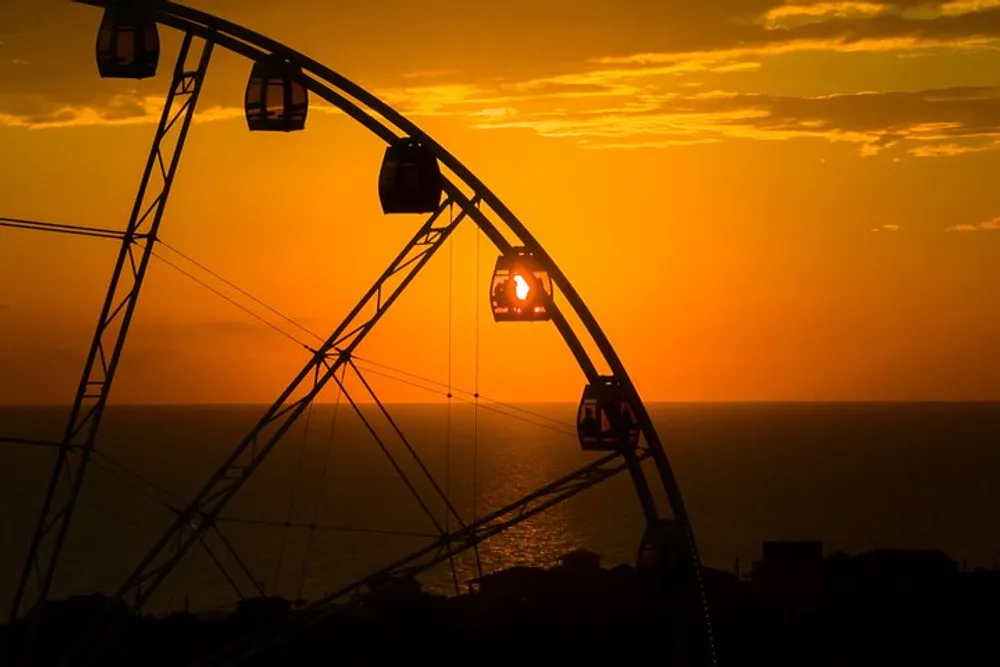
pixel 29 442
pixel 406 443
pixel 392 460
pixel 112 327
pixel 386 123
pixel 280 417
pixel 438 551
pixel 58 228
pixel 203 511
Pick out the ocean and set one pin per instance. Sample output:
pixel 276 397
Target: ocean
pixel 857 476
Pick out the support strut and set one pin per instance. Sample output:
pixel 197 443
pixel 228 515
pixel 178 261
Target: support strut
pixel 116 315
pixel 370 112
pixel 203 511
pixel 251 452
pixel 446 546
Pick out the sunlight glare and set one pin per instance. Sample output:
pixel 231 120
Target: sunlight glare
pixel 521 288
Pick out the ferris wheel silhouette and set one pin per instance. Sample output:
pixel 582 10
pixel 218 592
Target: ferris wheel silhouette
pixel 417 176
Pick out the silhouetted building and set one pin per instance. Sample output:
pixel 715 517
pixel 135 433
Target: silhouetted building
pixel 394 590
pixel 580 561
pixel 520 583
pixel 263 608
pixel 886 579
pixel 790 577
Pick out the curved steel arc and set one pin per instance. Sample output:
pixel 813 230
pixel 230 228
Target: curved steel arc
pixel 205 21
pixel 336 90
pixel 253 45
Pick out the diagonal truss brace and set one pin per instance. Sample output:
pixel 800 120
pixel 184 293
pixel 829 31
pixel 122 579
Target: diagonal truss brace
pixel 113 325
pixel 449 506
pixel 438 551
pixel 58 228
pixel 204 510
pixel 392 460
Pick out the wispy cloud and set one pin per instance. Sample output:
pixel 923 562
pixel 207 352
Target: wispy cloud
pixel 595 112
pixel 799 13
pixel 839 44
pixel 430 74
pixel 961 7
pixel 845 27
pixel 988 226
pixel 784 16
pixel 950 149
pixel 644 99
pixel 116 110
pixel 886 228
pixel 644 107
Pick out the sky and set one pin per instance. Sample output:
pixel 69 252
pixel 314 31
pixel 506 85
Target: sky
pixel 758 200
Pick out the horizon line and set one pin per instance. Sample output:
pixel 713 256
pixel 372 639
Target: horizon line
pixel 471 402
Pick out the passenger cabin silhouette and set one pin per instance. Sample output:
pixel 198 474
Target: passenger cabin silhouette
pixel 128 43
pixel 521 290
pixel 410 179
pixel 660 552
pixel 606 420
pixel 276 99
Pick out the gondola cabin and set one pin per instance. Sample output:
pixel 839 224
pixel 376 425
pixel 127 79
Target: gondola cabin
pixel 606 420
pixel 660 549
pixel 128 43
pixel 410 178
pixel 276 99
pixel 521 291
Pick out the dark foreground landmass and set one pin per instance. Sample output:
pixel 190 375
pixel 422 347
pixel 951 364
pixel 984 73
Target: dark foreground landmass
pixel 885 607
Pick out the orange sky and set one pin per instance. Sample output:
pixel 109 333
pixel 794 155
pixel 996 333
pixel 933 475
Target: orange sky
pixel 758 200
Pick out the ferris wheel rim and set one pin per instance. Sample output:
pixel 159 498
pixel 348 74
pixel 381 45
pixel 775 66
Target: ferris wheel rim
pixel 340 92
pixel 326 83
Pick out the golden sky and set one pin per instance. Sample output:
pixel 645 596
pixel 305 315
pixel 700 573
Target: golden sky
pixel 759 200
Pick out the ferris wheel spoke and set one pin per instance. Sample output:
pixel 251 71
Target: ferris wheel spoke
pixel 256 446
pixel 446 547
pixel 59 228
pixel 28 442
pixel 220 566
pixel 406 443
pixel 239 561
pixel 392 460
pixel 296 75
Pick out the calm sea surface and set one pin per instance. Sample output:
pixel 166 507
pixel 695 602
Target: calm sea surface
pixel 858 476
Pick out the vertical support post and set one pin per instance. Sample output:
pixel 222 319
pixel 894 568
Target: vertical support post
pixel 112 327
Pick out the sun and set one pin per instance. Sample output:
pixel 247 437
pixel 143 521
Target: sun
pixel 521 287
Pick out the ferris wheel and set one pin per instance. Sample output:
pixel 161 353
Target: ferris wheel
pixel 417 177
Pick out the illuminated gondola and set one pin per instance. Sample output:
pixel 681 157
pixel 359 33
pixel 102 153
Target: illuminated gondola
pixel 660 549
pixel 521 290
